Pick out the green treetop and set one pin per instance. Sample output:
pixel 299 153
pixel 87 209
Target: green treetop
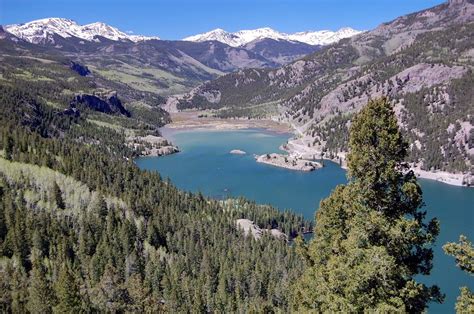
pixel 40 294
pixel 57 196
pixel 371 239
pixel 464 254
pixel 67 291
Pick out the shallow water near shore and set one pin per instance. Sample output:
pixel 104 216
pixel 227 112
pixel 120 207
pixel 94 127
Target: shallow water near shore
pixel 205 165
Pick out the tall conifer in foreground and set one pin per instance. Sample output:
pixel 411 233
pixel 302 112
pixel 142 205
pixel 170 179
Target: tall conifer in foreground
pixel 464 254
pixel 371 238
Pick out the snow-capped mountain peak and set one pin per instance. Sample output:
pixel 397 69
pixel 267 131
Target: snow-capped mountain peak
pixel 217 34
pixel 89 31
pixel 43 31
pixel 235 39
pixel 240 38
pixel 259 33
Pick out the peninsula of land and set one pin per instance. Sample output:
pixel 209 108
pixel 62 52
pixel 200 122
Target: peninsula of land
pixel 288 162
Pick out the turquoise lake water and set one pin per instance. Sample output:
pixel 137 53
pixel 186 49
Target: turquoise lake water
pixel 205 164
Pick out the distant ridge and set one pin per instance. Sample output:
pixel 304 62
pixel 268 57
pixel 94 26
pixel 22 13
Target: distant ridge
pixel 243 37
pixel 43 31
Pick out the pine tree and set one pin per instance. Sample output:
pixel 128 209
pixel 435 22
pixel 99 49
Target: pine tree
pixel 20 234
pixel 57 196
pixel 370 236
pixel 140 295
pixel 6 272
pixel 110 295
pixel 464 254
pixel 100 207
pixel 18 286
pixel 67 292
pixel 40 295
pixel 8 147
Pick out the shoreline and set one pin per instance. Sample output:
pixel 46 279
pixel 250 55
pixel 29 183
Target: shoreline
pixel 194 120
pixel 151 145
pixel 296 147
pixel 293 147
pixel 454 179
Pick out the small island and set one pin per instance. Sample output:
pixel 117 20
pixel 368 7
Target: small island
pixel 288 162
pixel 237 152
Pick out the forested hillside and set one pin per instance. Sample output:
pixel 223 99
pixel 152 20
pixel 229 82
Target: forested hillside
pixel 422 61
pixel 83 229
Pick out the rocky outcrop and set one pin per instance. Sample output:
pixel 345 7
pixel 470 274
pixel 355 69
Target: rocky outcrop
pixel 250 228
pixel 288 162
pixel 72 112
pixel 108 103
pixel 151 145
pixel 237 152
pixel 163 151
pixel 3 34
pixel 80 69
pixel 459 2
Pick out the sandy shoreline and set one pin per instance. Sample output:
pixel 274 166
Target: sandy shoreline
pixel 457 179
pixel 191 120
pixel 197 120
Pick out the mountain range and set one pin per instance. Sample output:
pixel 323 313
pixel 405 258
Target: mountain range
pixel 244 37
pixel 149 64
pixel 44 31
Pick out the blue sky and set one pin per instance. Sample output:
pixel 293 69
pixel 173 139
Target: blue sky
pixel 175 19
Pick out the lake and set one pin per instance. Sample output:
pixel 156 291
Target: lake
pixel 205 165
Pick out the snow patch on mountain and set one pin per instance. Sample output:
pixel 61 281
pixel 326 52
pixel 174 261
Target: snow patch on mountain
pixel 43 31
pixel 243 37
pixel 324 37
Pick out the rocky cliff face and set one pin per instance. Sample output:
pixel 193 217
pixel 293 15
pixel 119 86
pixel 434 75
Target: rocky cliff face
pixel 80 69
pixel 459 2
pixel 108 103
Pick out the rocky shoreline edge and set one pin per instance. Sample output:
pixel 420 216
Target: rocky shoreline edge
pixel 298 147
pixel 151 145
